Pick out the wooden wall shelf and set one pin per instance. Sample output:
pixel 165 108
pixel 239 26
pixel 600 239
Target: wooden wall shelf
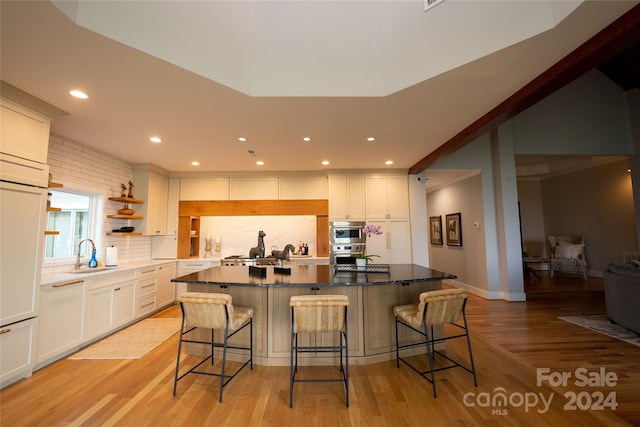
pixel 126 200
pixel 115 216
pixel 51 233
pixel 124 234
pixel 54 185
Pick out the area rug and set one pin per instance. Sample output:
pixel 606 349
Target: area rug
pixel 132 342
pixel 601 323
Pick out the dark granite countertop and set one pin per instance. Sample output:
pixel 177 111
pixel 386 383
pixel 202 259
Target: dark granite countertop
pixel 320 275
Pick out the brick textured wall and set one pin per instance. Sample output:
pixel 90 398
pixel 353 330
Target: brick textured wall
pixel 83 168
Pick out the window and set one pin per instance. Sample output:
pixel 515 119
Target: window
pixel 77 220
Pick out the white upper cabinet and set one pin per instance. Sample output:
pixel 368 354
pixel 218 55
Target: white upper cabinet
pixel 387 196
pixel 24 133
pixel 346 198
pixel 303 188
pixel 204 189
pixel 152 187
pixel 253 188
pixel 173 203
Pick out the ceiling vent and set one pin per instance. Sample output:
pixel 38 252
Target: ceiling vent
pixel 428 4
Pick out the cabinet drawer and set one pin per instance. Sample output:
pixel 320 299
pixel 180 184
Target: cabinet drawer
pixel 146 273
pixel 16 350
pixel 145 305
pixel 110 279
pixel 146 287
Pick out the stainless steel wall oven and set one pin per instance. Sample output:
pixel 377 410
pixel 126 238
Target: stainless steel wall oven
pixel 346 238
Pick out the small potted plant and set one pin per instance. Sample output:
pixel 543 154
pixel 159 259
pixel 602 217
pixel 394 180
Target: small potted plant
pixel 369 230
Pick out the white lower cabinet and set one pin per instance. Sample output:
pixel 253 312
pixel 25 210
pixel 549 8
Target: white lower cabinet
pixel 166 288
pixel 146 291
pixel 109 303
pixel 16 350
pixel 60 319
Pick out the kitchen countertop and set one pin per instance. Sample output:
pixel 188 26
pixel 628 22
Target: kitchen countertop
pixel 312 274
pixel 49 279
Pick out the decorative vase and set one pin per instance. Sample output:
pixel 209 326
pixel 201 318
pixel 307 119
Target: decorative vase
pixel 126 210
pixel 361 263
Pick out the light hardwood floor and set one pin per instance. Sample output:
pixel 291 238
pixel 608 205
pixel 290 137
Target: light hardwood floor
pixel 510 341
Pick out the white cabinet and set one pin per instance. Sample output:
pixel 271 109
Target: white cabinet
pixel 16 351
pixel 109 303
pixel 60 318
pixel 387 196
pixel 146 291
pixel 204 189
pixel 173 204
pixel 152 187
pixel 253 188
pixel 166 288
pixel 24 133
pixel 394 245
pixel 346 198
pixel 302 188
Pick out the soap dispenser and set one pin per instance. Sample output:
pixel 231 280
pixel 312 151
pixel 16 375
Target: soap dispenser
pixel 93 262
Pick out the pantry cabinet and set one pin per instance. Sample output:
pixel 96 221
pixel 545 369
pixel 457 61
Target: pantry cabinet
pixel 393 246
pixel 60 315
pixel 346 198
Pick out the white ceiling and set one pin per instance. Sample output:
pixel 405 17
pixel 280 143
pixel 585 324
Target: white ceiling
pixel 275 72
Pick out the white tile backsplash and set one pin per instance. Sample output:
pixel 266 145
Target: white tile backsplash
pixel 238 234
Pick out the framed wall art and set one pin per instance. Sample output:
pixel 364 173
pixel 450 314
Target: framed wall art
pixel 435 230
pixel 454 229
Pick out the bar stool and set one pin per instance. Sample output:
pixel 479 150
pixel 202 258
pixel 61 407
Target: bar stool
pixel 435 308
pixel 319 313
pixel 213 311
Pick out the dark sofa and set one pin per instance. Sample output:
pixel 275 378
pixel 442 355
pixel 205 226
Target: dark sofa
pixel 622 295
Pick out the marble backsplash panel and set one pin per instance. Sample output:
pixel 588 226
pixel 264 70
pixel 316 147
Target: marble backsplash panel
pixel 238 234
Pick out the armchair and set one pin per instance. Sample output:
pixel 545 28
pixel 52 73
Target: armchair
pixel 567 255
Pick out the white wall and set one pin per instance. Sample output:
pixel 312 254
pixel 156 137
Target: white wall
pixel 83 168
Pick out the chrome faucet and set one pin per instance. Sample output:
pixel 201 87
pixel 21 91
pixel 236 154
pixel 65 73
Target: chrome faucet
pixel 93 252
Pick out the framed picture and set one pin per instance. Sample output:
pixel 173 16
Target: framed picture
pixel 435 230
pixel 454 229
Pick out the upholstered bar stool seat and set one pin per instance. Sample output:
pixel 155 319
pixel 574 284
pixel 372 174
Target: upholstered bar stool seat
pixel 215 312
pixel 319 313
pixel 435 308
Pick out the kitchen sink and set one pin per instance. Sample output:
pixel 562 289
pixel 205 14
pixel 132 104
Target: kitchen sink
pixel 86 270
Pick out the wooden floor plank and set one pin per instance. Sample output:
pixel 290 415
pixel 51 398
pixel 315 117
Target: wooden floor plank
pixel 510 341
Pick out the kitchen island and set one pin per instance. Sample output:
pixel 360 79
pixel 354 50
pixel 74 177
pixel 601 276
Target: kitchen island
pixel 372 296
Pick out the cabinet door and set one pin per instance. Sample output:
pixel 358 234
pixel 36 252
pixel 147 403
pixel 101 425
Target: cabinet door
pixel 166 288
pixel 379 326
pixel 60 326
pixel 173 202
pixel 123 303
pixel 16 351
pixel 346 198
pixel 399 241
pixel 397 196
pixel 97 313
pixel 376 196
pixel 22 216
pixel 158 187
pixel 24 133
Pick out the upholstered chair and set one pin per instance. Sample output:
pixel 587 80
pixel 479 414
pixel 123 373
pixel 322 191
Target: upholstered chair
pixel 434 309
pixel 311 314
pixel 567 255
pixel 213 311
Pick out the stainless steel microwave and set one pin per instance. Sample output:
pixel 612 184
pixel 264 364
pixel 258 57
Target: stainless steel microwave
pixel 347 232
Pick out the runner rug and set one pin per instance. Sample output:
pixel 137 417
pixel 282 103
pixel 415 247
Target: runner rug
pixel 132 342
pixel 601 323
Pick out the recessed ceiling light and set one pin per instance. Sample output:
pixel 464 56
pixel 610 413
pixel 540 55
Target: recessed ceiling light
pixel 195 163
pixel 325 162
pixel 260 163
pixel 78 94
pixel 306 139
pixel 242 139
pixel 371 139
pixel 155 139
pixel 388 162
